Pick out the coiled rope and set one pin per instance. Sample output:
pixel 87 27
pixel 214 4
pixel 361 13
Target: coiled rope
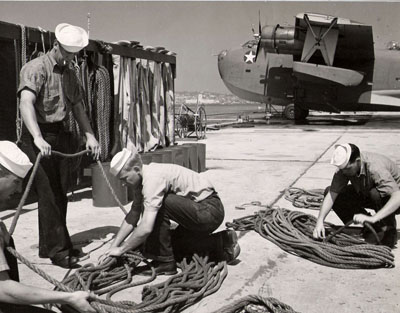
pixel 256 304
pixel 308 199
pixel 99 94
pixel 292 232
pixel 197 279
pixel 19 63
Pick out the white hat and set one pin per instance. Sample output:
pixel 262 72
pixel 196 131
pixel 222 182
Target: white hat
pixel 13 159
pixel 119 160
pixel 341 155
pixel 72 38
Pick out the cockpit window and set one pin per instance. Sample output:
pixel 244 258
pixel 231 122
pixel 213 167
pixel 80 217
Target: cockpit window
pixel 250 44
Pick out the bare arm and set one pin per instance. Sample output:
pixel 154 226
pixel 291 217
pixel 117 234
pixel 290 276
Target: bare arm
pixel 17 293
pixel 28 113
pixel 390 207
pixel 319 230
pixel 123 232
pixel 140 233
pixel 84 125
pixel 138 236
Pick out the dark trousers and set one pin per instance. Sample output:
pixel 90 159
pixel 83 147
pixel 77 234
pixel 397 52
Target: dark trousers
pixel 50 185
pixel 196 220
pixel 349 202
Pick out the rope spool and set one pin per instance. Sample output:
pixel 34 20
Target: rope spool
pixel 292 232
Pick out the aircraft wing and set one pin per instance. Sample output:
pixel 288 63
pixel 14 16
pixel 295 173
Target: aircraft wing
pixel 355 40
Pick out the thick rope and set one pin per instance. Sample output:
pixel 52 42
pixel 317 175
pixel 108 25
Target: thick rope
pixel 308 199
pixel 30 181
pixel 292 232
pixel 18 66
pixel 256 304
pixel 111 188
pixel 100 98
pixel 197 279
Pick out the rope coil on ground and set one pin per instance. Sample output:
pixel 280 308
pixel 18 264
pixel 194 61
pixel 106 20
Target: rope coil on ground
pixel 256 304
pixel 292 232
pixel 197 279
pixel 308 199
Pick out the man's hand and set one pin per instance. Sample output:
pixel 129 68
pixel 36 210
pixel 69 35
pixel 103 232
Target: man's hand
pixel 79 301
pixel 42 145
pixel 93 145
pixel 319 231
pixel 362 218
pixel 114 251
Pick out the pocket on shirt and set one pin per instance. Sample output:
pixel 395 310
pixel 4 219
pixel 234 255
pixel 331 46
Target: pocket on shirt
pixel 51 102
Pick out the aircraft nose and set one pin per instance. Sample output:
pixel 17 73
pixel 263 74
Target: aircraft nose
pixel 222 55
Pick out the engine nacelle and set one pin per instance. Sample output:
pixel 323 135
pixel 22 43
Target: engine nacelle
pixel 280 39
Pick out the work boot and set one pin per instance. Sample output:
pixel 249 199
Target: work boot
pixel 389 237
pixel 230 245
pixel 161 268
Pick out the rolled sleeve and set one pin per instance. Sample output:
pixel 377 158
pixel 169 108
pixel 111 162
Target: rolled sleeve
pixel 154 190
pixel 385 183
pixel 32 76
pixel 339 181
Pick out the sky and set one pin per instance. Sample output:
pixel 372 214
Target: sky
pixel 196 30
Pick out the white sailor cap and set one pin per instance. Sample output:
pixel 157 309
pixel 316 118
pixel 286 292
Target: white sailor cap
pixel 72 38
pixel 341 155
pixel 13 159
pixel 119 160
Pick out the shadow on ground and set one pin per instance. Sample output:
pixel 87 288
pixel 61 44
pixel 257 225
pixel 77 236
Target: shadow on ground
pixel 86 237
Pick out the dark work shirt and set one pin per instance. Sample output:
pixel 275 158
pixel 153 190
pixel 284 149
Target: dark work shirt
pixel 56 88
pixel 377 171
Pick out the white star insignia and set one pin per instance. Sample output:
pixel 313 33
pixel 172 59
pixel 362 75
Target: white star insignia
pixel 249 57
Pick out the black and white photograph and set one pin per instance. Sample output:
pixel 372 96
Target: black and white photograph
pixel 199 156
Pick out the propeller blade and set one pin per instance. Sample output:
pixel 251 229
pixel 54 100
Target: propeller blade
pixel 259 36
pixel 258 49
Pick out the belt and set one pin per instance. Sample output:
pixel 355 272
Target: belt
pixel 51 127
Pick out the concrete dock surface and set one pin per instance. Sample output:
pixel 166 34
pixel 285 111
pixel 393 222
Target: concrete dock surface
pixel 249 164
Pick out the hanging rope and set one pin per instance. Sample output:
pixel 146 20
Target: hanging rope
pixel 308 199
pixel 292 232
pixel 256 304
pixel 19 63
pixel 100 98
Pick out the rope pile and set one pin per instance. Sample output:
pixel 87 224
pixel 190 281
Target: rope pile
pixel 256 304
pixel 308 199
pixel 197 279
pixel 292 232
pixel 109 277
